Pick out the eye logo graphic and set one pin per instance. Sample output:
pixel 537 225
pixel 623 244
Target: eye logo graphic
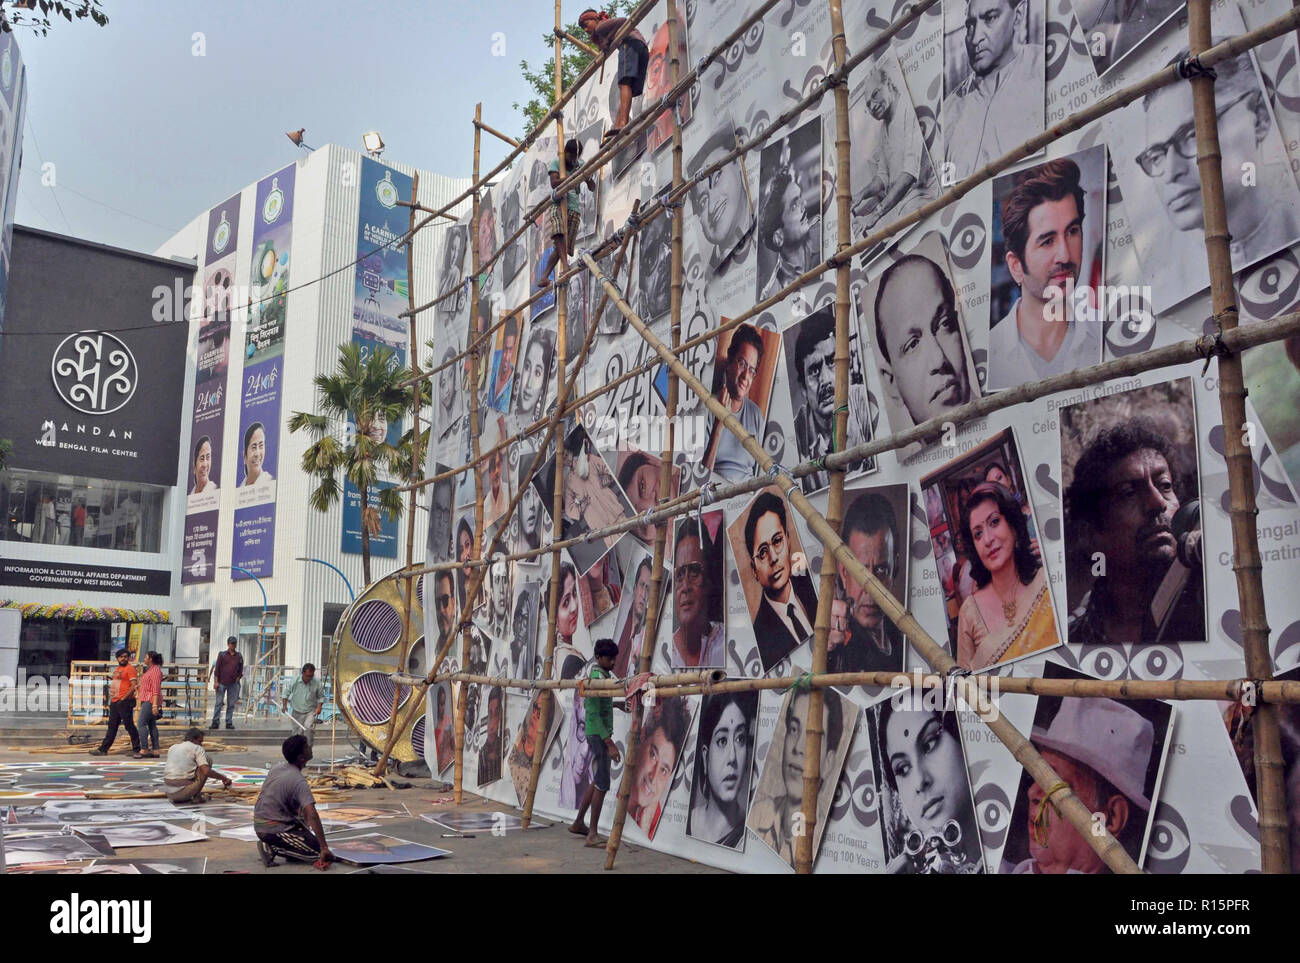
pixel 94 372
pixel 386 191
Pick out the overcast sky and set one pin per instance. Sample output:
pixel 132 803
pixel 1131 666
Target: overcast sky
pixel 130 117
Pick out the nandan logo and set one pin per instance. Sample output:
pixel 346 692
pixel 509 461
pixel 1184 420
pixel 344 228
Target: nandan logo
pixel 94 372
pixel 386 191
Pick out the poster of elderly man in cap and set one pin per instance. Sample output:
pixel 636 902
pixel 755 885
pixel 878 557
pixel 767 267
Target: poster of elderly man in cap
pixel 1112 754
pixel 891 170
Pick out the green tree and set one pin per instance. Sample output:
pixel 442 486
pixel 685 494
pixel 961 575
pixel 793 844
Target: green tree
pixel 36 14
pixel 6 448
pixel 366 389
pixel 542 79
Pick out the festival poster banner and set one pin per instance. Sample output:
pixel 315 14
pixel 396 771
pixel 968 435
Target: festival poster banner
pixel 261 386
pixel 383 544
pixel 208 420
pixel 379 296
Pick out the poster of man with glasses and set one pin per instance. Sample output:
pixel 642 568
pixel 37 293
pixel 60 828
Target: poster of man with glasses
pixel 1154 154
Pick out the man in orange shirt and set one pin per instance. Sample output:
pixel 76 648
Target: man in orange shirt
pixel 121 704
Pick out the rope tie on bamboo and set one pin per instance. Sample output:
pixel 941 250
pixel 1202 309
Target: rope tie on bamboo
pixel 802 682
pixel 676 104
pixel 950 688
pixel 835 442
pixel 668 205
pixel 1211 348
pixel 779 469
pixel 1190 67
pixel 1041 818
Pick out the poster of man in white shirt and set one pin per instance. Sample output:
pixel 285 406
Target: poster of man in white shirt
pixel 1048 264
pixel 994 84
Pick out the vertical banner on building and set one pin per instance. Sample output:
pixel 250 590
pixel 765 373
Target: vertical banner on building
pixel 261 385
pixel 202 506
pixel 379 296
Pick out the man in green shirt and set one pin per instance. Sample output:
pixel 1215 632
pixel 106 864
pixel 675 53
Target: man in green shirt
pixel 599 713
pixel 306 697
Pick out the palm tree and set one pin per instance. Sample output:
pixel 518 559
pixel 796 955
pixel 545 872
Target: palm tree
pixel 365 388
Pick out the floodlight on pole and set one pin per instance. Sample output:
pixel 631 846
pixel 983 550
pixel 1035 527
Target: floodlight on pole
pixel 374 144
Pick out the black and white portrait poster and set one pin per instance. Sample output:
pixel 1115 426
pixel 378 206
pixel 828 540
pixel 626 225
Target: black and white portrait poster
pixel 1157 170
pixel 1112 753
pixel 810 369
pixel 453 266
pixel 927 808
pixel 789 206
pixel 722 203
pixel 1134 560
pixel 1112 29
pixel 776 817
pixel 989 558
pixel 1048 269
pixel 892 174
pixel 911 316
pixel 722 782
pixel 994 80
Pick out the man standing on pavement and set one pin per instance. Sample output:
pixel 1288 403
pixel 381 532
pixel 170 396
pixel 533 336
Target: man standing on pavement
pixel 226 673
pixel 188 769
pixel 121 704
pixel 285 817
pixel 305 697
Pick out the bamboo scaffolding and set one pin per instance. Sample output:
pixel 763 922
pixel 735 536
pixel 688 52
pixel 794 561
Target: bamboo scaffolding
pixel 1070 807
pixel 557 500
pixel 814 724
pixel 636 16
pixel 1232 340
pixel 655 605
pixel 1224 51
pixel 1274 846
pixel 488 555
pixel 1181 352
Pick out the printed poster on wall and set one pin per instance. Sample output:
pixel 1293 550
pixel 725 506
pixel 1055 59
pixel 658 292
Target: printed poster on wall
pixel 260 387
pixel 202 506
pixel 380 294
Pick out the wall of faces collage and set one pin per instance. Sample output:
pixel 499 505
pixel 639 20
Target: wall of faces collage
pixel 1085 534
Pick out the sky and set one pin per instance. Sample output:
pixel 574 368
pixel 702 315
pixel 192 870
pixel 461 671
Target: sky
pixel 144 135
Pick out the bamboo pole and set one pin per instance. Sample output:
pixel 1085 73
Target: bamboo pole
pixel 557 500
pixel 1070 807
pixel 495 133
pixel 580 44
pixel 655 604
pixel 1274 847
pixel 814 725
pixel 472 393
pixel 715 681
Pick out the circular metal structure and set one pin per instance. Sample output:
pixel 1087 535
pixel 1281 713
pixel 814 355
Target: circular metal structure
pixel 372 642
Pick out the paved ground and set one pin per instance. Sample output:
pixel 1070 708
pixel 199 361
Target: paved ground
pixel 550 850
